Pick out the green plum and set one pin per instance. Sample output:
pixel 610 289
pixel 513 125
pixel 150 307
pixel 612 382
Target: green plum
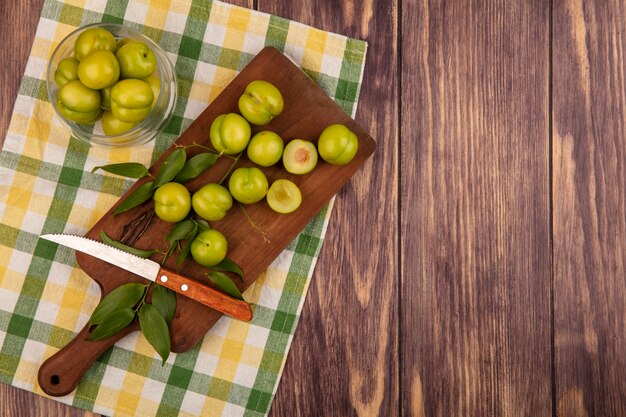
pixel 300 156
pixel 131 100
pixel 229 133
pixel 337 144
pixel 79 103
pixel 66 71
pixel 82 118
pixel 105 98
pixel 172 202
pixel 136 60
pixel 211 202
pixel 260 102
pixel 265 148
pixel 209 247
pixel 114 126
pixel 155 84
pixel 92 40
pixel 248 185
pixel 284 196
pixel 98 70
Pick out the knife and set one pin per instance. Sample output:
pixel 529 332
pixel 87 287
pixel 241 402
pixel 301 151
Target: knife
pixel 153 271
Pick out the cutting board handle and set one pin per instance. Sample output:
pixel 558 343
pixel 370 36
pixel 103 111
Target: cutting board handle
pixel 60 374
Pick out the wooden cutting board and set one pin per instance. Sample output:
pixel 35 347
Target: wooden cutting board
pixel 307 111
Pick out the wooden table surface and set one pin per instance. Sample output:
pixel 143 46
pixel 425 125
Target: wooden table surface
pixel 475 266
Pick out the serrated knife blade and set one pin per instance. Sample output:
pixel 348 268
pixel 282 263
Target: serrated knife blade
pixel 152 271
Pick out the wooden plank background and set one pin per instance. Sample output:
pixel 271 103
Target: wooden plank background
pixel 485 276
pixel 475 232
pixel 589 178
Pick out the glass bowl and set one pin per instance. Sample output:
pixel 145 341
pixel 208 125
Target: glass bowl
pixel 148 128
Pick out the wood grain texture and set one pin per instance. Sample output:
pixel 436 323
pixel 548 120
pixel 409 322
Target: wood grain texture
pixel 475 231
pixel 343 360
pixel 475 219
pixel 19 19
pixel 15 402
pixel 589 181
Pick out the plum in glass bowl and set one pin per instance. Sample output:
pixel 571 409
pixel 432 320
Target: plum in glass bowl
pixel 111 86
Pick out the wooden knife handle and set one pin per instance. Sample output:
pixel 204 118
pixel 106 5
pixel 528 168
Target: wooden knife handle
pixel 60 374
pixel 204 294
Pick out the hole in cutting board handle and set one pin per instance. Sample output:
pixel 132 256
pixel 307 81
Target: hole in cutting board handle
pixel 61 373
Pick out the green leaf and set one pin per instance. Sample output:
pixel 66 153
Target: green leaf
pixel 228 265
pixel 181 231
pixel 139 196
pixel 125 169
pixel 170 250
pixel 124 296
pixel 195 166
pixel 184 252
pixel 114 322
pixel 119 245
pixel 202 224
pixel 171 167
pixel 224 283
pixel 164 300
pixel 185 230
pixel 155 330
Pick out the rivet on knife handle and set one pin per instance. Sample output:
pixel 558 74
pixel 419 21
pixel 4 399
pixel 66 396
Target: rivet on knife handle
pixel 204 294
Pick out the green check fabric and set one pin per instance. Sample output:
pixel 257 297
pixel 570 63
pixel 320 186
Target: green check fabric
pixel 46 186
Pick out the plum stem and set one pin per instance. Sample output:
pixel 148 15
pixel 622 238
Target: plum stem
pixel 231 168
pixel 254 226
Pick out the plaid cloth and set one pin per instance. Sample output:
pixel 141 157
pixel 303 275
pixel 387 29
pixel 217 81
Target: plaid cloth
pixel 46 186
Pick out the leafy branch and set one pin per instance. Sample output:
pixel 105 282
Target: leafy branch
pixel 128 302
pixel 123 305
pixel 176 168
pixel 183 234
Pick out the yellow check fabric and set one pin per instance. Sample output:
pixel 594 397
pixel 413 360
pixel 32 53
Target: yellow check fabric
pixel 46 186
